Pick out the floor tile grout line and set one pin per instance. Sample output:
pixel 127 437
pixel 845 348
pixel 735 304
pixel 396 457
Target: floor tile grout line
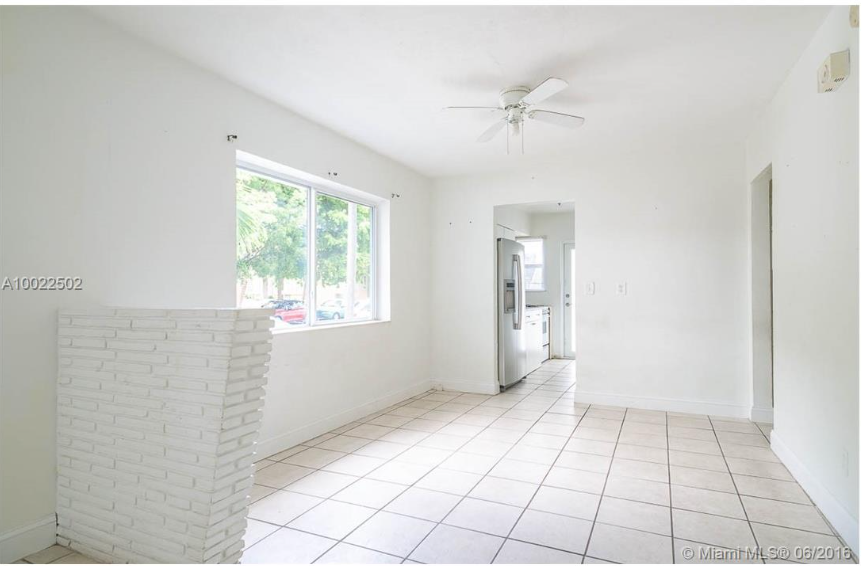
pixel 670 489
pixel 671 507
pixel 516 506
pixel 335 541
pixel 419 479
pixel 485 475
pixel 739 497
pixel 602 495
pixel 402 514
pixel 561 514
pixel 70 553
pixel 436 523
pixel 808 497
pixel 378 511
pixel 324 500
pixel 528 397
pixel 542 483
pixel 524 508
pixel 283 461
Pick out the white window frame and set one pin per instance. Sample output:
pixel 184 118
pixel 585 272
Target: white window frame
pixel 288 176
pixel 544 263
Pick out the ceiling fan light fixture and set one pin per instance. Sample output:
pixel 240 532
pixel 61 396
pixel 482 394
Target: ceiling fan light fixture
pixel 516 118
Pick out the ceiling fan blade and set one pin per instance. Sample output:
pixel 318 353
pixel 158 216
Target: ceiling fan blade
pixel 547 89
pixel 488 109
pixel 557 118
pixel 489 134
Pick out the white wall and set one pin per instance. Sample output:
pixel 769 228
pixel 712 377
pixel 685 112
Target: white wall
pixel 812 142
pixel 115 168
pixel 670 221
pixel 514 218
pixel 556 228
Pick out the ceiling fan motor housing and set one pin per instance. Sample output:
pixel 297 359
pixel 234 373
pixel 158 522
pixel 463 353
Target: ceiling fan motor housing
pixel 510 100
pixel 511 96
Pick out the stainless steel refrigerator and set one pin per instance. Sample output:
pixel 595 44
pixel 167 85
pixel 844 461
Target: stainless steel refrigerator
pixel 511 309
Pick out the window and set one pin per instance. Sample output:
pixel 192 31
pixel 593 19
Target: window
pixel 534 263
pixel 342 259
pixel 303 250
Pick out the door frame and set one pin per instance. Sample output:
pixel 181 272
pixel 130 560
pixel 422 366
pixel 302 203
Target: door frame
pixel 566 353
pixel 762 282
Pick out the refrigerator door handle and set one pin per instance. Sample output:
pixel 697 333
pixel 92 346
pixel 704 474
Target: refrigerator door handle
pixel 519 281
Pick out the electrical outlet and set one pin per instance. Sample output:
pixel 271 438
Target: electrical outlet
pixel 622 288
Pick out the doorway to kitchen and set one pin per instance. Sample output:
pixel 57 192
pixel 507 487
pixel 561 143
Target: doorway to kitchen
pixel 540 230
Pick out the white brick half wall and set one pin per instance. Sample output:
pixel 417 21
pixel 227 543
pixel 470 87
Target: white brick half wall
pixel 157 416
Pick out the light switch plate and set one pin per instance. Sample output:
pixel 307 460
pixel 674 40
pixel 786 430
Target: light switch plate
pixel 591 288
pixel 622 288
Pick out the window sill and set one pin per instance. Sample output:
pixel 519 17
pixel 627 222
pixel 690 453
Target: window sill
pixel 278 331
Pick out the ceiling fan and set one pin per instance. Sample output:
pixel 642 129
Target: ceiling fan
pixel 517 103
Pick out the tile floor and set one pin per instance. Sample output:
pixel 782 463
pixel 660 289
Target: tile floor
pixel 56 554
pixel 529 476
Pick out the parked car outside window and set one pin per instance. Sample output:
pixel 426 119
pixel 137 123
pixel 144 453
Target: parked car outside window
pixel 333 309
pixel 291 311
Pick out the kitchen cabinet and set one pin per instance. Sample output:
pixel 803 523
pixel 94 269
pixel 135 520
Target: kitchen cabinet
pixel 501 231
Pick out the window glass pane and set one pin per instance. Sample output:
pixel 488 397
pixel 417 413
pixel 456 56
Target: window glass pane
pixel 362 291
pixel 534 277
pixel 533 251
pixel 534 260
pixel 343 255
pixel 331 258
pixel 272 244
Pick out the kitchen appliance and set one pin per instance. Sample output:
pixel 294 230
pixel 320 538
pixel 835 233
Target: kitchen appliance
pixel 535 351
pixel 538 319
pixel 511 313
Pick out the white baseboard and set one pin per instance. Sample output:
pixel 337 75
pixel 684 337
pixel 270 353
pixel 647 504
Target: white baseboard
pixel 660 404
pixel 467 386
pixel 841 520
pixel 270 446
pixel 759 415
pixel 21 542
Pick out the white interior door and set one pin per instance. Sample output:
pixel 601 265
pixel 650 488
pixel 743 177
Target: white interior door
pixel 569 300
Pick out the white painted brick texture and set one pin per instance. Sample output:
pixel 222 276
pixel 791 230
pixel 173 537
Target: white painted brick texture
pixel 157 416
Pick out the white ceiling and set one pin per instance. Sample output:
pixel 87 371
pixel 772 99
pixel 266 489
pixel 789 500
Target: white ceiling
pixel 380 75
